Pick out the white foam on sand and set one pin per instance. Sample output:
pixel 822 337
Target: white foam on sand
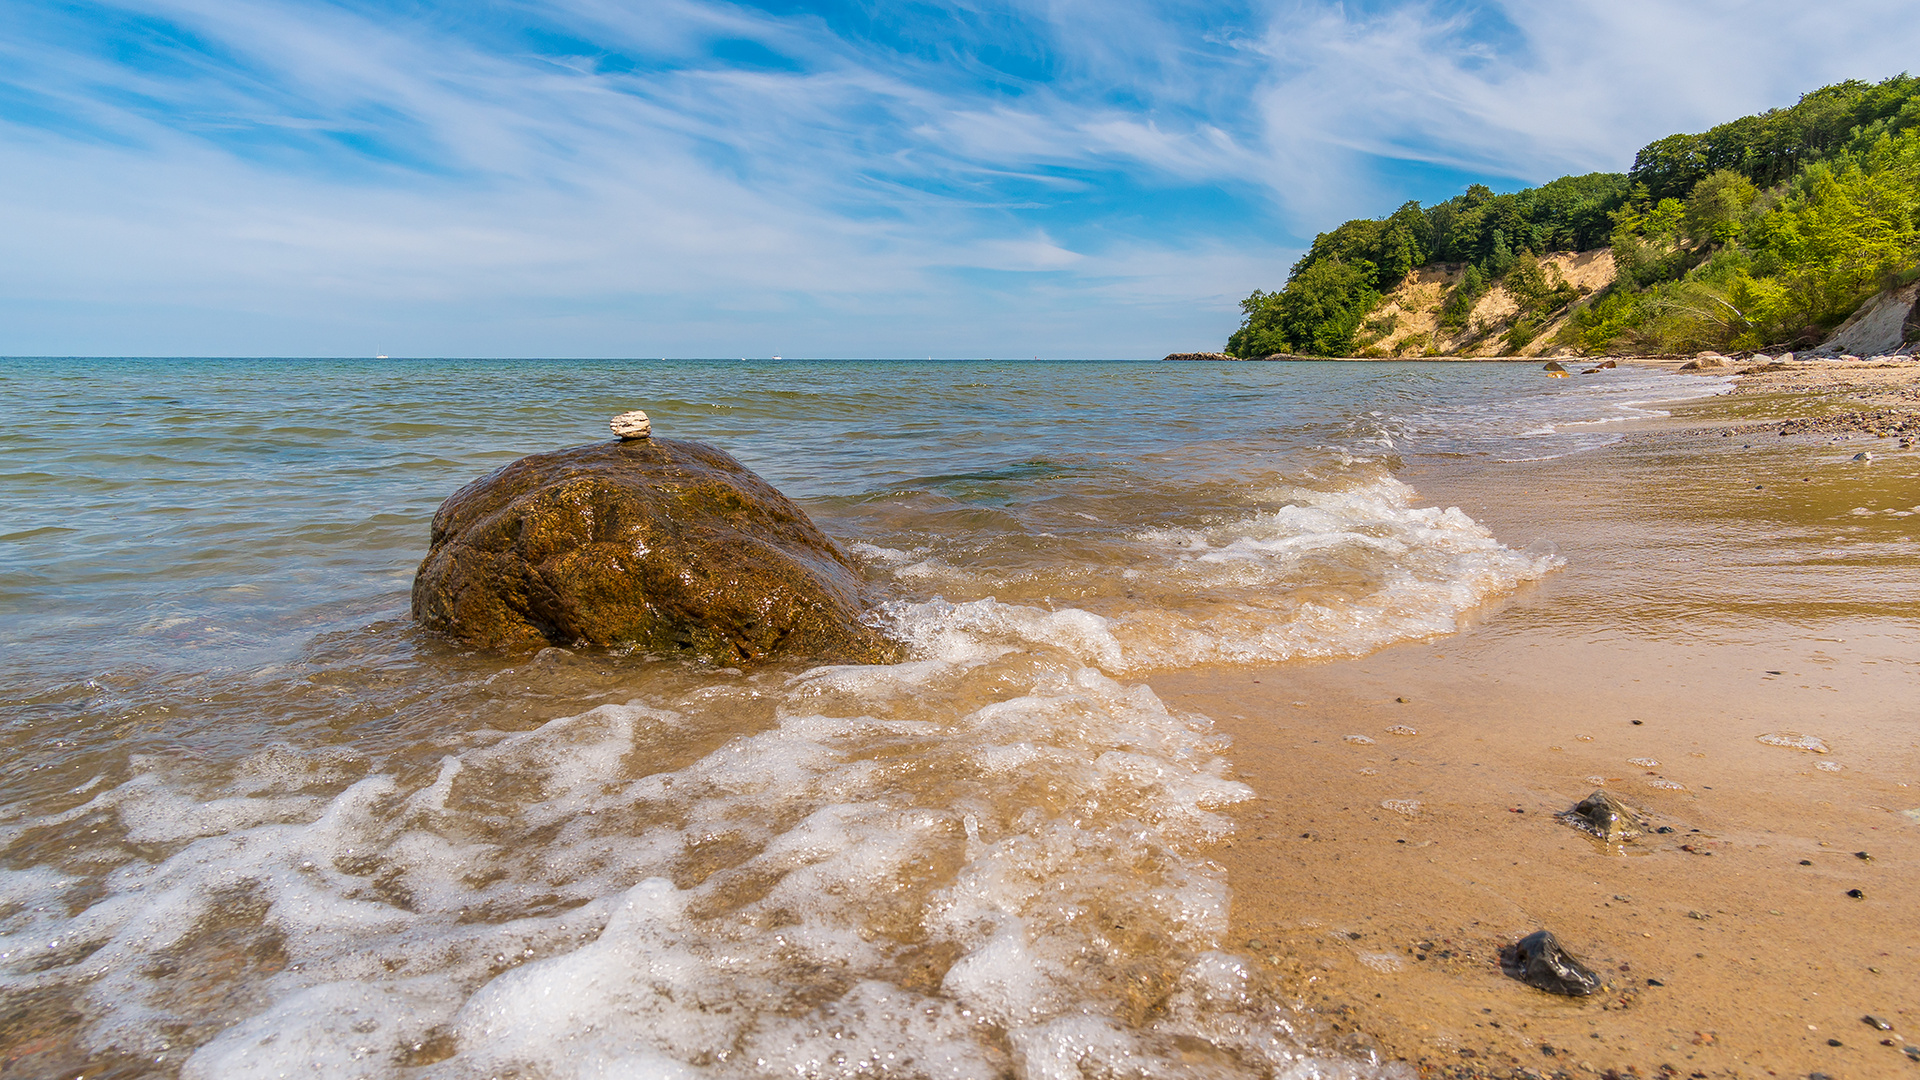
pixel 1315 573
pixel 991 859
pixel 875 882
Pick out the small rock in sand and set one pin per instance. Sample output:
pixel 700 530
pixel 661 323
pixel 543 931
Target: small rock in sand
pixel 1603 815
pixel 1540 962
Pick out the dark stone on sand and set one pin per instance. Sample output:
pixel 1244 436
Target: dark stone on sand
pixel 1540 962
pixel 1552 365
pixel 1603 815
pixel 1876 1023
pixel 1856 894
pixel 669 546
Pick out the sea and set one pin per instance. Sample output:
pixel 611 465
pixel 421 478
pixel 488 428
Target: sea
pixel 255 823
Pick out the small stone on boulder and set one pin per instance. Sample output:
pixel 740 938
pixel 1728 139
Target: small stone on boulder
pixel 631 425
pixel 1540 962
pixel 668 546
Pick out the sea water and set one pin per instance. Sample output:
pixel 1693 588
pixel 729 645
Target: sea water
pixel 255 823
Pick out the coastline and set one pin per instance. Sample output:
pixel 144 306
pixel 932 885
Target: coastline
pixel 1717 589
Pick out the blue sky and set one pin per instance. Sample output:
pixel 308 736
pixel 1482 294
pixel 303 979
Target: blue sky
pixel 690 178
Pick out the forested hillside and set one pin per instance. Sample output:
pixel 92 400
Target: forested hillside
pixel 1769 229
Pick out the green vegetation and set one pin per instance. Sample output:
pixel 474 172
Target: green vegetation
pixel 1769 229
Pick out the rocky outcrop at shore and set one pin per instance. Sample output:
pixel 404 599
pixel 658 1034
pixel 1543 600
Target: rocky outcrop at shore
pixel 1881 325
pixel 672 547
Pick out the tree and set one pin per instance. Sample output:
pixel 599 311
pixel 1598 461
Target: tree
pixel 1718 206
pixel 1317 314
pixel 1526 282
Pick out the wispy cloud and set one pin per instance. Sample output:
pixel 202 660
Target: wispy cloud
pixel 688 177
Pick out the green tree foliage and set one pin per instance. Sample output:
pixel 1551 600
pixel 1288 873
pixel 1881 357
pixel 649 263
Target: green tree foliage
pixel 1767 228
pixel 1770 148
pixel 1744 268
pixel 1479 228
pixel 1459 304
pixel 1719 206
pixel 1317 314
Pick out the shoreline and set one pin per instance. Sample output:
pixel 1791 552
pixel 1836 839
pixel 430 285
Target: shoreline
pixel 1704 604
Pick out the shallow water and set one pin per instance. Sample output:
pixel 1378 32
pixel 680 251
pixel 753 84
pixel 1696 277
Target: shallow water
pixel 256 822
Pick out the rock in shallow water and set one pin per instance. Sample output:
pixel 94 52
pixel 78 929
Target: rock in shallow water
pixel 670 546
pixel 1540 962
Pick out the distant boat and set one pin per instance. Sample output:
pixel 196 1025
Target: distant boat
pixel 776 358
pixel 382 356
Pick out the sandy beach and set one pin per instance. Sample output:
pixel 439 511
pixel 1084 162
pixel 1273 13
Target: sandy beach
pixel 1728 589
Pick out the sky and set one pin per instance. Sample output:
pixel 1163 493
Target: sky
pixel 980 178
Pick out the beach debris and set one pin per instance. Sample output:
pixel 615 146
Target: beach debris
pixel 1605 816
pixel 1360 740
pixel 1401 729
pixel 632 425
pixel 1539 961
pixel 1409 807
pixel 1793 740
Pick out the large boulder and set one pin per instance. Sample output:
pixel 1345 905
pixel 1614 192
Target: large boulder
pixel 669 546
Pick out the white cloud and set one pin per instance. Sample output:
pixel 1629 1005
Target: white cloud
pixel 324 181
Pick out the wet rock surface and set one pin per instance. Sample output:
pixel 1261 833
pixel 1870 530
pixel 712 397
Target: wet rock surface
pixel 1605 816
pixel 1540 962
pixel 669 546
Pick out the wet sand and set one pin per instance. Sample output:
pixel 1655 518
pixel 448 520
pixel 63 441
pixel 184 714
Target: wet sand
pixel 1723 583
